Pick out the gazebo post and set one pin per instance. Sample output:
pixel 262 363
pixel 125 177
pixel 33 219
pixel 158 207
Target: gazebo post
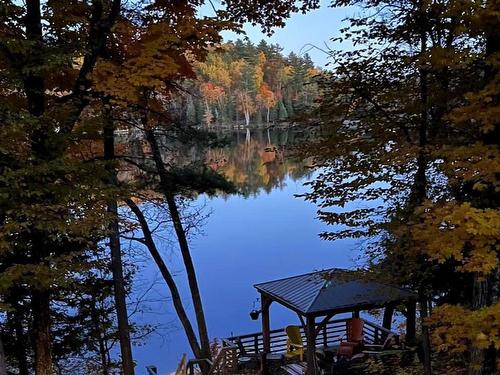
pixel 411 308
pixel 266 335
pixel 388 313
pixel 311 345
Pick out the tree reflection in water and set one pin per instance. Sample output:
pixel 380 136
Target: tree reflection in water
pixel 259 160
pixel 254 160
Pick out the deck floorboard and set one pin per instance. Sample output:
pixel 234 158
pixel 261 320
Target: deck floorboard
pixel 294 368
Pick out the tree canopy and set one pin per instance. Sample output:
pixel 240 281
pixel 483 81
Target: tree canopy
pixel 411 160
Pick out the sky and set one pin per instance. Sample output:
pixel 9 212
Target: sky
pixel 304 31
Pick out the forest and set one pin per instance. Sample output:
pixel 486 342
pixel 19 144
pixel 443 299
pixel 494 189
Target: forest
pixel 103 103
pixel 243 83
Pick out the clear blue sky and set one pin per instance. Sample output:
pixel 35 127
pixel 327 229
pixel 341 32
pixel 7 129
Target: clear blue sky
pixel 316 27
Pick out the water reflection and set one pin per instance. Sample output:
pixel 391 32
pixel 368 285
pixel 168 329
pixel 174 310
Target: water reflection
pixel 260 159
pixel 254 160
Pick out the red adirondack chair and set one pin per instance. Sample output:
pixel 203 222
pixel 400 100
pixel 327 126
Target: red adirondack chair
pixel 352 342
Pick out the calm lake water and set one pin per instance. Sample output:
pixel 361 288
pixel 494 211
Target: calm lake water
pixel 263 235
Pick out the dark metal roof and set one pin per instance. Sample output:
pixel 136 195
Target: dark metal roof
pixel 331 291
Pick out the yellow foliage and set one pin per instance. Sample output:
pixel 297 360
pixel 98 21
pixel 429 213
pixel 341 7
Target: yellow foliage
pixel 152 57
pixel 478 163
pixel 258 76
pixel 236 69
pixel 216 70
pixel 313 72
pixel 262 58
pixel 460 232
pixel 286 73
pixel 455 328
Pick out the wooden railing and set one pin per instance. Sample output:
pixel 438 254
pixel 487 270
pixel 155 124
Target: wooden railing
pixel 329 335
pixel 224 362
pixel 375 334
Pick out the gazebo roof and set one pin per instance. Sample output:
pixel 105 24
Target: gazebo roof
pixel 332 291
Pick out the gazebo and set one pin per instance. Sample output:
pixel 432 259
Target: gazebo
pixel 324 294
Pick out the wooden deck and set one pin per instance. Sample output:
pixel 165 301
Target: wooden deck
pixel 329 335
pixel 298 368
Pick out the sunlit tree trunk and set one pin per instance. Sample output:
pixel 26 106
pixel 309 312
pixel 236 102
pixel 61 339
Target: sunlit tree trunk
pixel 247 136
pixel 208 114
pixel 247 118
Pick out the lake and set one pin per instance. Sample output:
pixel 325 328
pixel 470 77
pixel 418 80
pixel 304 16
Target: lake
pixel 265 234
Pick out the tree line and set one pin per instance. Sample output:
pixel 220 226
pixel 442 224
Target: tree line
pixel 242 83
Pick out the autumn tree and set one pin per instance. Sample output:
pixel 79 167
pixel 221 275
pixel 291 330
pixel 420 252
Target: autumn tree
pixel 410 141
pixel 66 69
pixel 267 98
pixel 212 94
pixel 47 52
pixel 240 78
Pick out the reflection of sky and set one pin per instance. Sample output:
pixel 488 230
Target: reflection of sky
pixel 245 241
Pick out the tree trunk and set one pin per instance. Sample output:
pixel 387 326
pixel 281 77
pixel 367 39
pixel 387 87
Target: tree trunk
pixel 426 342
pixel 486 291
pixel 479 300
pixel 208 114
pixel 491 354
pixel 103 353
pixel 42 344
pixel 3 366
pixel 247 136
pixel 34 89
pixel 33 81
pixel 419 193
pixel 183 244
pixel 191 273
pixel 388 313
pixel 20 346
pixel 116 258
pixel 169 280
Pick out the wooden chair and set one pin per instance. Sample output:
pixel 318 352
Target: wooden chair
pixel 245 359
pixel 294 345
pixel 352 342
